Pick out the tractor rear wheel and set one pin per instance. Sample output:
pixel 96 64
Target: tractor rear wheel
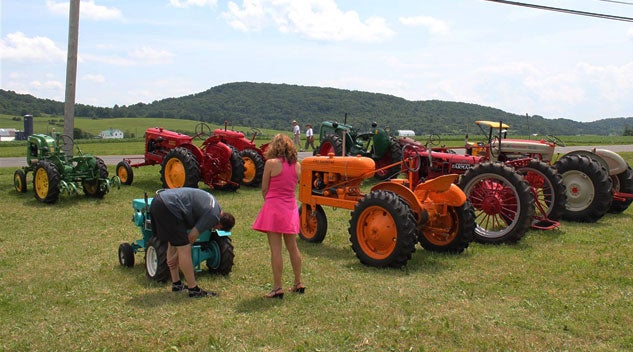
pixel 547 188
pixel 503 202
pixel 393 155
pixel 222 261
pixel 331 143
pixel 235 173
pixel 253 167
pixel 588 187
pixel 382 230
pixel 46 180
pixel 126 255
pixel 94 187
pixel 19 180
pixel 125 173
pixel 315 228
pixel 156 260
pixel 451 233
pixel 180 169
pixel 622 182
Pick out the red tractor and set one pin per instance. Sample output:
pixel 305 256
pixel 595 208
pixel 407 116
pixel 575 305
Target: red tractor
pixel 252 155
pixel 184 164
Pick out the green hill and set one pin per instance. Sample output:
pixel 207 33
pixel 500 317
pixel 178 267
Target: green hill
pixel 273 106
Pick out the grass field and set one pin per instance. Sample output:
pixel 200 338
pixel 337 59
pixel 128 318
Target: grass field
pixel 62 288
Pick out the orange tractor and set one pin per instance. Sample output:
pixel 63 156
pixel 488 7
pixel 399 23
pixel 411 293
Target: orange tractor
pixel 387 222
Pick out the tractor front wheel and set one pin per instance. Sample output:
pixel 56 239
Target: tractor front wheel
pixel 503 202
pixel 125 173
pixel 222 260
pixel 126 255
pixel 547 187
pixel 253 167
pixel 46 180
pixel 622 182
pixel 451 233
pixel 95 187
pixel 180 169
pixel 315 228
pixel 156 260
pixel 382 230
pixel 588 188
pixel 19 180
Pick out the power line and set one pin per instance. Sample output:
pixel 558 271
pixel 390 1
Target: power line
pixel 574 12
pixel 618 2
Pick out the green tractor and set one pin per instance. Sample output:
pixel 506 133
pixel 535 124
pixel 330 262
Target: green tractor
pixel 55 173
pixel 378 144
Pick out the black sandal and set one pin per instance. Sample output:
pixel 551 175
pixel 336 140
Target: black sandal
pixel 275 293
pixel 298 288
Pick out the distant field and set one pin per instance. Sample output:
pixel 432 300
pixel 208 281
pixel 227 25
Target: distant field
pixel 136 127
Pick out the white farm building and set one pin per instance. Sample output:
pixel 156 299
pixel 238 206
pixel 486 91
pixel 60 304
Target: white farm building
pixel 111 133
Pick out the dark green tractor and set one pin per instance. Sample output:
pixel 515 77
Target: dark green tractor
pixel 55 173
pixel 377 144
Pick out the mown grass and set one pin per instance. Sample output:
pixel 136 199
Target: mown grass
pixel 62 288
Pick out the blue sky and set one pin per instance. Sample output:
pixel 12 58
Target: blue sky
pixel 513 58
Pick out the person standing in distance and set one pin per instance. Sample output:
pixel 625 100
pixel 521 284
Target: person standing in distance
pixel 309 138
pixel 296 132
pixel 279 216
pixel 174 212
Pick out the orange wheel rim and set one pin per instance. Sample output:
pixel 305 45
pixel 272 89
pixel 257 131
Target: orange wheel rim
pixel 249 169
pixel 174 173
pixel 309 229
pixel 122 173
pixel 377 232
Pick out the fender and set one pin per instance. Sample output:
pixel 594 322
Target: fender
pixel 611 160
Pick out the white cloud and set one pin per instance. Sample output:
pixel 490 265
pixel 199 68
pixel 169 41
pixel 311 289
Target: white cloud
pixel 94 78
pixel 434 25
pixel 315 19
pixel 191 3
pixel 47 85
pixel 151 56
pixel 17 46
pixel 87 9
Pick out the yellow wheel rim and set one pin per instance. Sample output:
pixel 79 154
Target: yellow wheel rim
pixel 41 183
pixel 174 173
pixel 122 173
pixel 249 170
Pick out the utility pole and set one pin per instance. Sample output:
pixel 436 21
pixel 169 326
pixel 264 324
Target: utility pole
pixel 71 73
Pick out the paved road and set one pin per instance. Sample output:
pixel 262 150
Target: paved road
pixel 114 159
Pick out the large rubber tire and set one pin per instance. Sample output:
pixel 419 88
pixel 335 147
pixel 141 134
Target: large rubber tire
pixel 95 187
pixel 588 188
pixel 235 174
pixel 503 202
pixel 19 180
pixel 456 234
pixel 547 188
pixel 180 169
pixel 253 167
pixel 331 143
pixel 382 230
pixel 622 182
pixel 126 255
pixel 315 228
pixel 393 155
pixel 156 260
pixel 125 173
pixel 46 180
pixel 222 262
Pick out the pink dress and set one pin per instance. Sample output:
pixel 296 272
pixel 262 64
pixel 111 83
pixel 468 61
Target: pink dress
pixel 279 212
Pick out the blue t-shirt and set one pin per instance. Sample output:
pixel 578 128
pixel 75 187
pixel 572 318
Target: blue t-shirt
pixel 193 206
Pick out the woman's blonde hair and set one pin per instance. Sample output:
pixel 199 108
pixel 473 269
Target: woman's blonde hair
pixel 282 147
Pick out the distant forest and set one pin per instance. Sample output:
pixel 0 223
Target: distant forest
pixel 274 106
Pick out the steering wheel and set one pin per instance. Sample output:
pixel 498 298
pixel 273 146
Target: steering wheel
pixel 202 131
pixel 493 148
pixel 433 139
pixel 555 140
pixel 65 139
pixel 407 152
pixel 255 132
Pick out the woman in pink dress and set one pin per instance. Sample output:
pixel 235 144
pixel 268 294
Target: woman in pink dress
pixel 279 216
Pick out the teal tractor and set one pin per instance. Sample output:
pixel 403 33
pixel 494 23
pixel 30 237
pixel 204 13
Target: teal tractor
pixel 342 139
pixel 213 247
pixel 55 173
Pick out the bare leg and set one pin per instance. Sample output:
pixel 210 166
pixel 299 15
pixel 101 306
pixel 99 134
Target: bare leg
pixel 186 264
pixel 276 260
pixel 172 262
pixel 295 256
